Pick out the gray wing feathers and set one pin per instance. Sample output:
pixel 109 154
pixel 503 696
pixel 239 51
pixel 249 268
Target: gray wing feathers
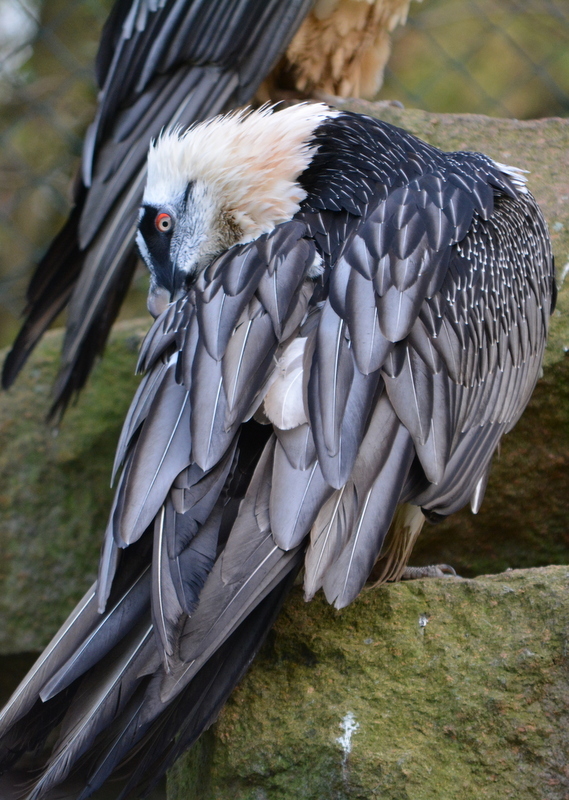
pixel 370 345
pixel 98 702
pixel 336 521
pixel 296 498
pixel 279 285
pixel 250 565
pixel 78 625
pixel 345 578
pixel 166 608
pixel 138 412
pixel 187 420
pixel 210 438
pixel 335 375
pixel 454 374
pixel 105 635
pixel 243 331
pixel 349 411
pixel 298 444
pixel 328 537
pixel 161 452
pixel 247 359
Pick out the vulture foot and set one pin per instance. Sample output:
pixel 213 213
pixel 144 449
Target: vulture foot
pixel 433 571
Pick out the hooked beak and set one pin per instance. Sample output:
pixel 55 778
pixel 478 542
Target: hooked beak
pixel 158 300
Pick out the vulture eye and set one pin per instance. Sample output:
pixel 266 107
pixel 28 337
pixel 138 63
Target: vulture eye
pixel 164 223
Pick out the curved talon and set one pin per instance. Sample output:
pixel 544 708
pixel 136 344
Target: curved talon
pixel 433 571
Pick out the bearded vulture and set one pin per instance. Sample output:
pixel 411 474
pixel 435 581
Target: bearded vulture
pixel 347 322
pixel 174 62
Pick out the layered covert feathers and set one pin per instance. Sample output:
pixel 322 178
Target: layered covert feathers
pixel 312 391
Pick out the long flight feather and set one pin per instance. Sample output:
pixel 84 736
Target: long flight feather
pixel 74 629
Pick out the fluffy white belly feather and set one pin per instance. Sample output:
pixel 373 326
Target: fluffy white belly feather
pixel 284 402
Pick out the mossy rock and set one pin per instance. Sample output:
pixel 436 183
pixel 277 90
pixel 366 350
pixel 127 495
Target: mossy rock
pixel 430 690
pixel 54 487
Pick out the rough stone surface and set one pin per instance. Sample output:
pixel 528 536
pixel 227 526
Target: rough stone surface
pixel 459 691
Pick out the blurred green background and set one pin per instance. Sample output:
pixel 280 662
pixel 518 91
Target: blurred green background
pixel 507 58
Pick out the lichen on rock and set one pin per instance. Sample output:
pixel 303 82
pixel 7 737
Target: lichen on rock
pixel 459 690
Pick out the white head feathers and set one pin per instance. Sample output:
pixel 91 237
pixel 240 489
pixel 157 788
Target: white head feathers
pixel 248 160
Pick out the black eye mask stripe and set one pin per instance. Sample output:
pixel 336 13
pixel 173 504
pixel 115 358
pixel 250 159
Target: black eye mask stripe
pixel 158 244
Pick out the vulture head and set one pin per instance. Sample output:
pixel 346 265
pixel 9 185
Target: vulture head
pixel 220 183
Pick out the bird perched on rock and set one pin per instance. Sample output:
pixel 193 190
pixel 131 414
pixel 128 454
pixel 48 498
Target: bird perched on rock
pixel 169 62
pixel 347 322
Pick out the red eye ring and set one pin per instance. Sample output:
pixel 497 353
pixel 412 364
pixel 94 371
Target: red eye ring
pixel 163 223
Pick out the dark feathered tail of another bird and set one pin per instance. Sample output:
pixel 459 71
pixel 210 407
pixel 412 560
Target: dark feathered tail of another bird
pixel 62 265
pixel 47 295
pixel 179 64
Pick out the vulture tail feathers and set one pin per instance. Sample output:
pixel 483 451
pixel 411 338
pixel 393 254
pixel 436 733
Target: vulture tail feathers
pixel 31 730
pixel 76 369
pixel 78 625
pixel 97 700
pixel 201 701
pixel 107 633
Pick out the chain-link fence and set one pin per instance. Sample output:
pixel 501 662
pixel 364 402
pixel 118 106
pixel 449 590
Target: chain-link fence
pixel 500 57
pixel 47 96
pixel 507 58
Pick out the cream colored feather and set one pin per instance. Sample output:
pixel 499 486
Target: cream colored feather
pixel 248 161
pixel 343 45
